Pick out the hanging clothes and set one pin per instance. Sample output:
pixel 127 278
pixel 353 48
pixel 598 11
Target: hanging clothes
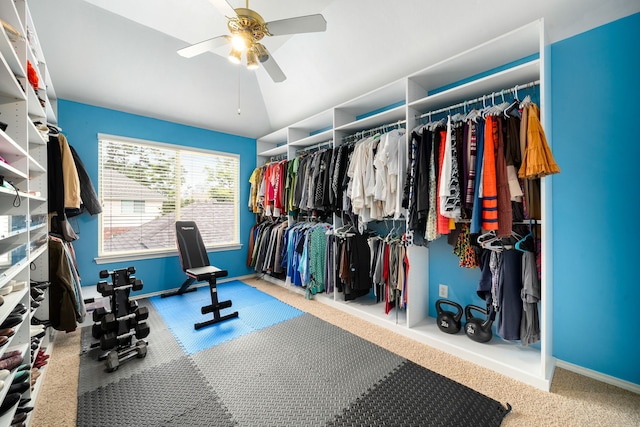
pixel 89 199
pixel 66 304
pixel 537 161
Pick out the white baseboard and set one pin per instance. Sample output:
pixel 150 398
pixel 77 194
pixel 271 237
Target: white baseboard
pixel 632 387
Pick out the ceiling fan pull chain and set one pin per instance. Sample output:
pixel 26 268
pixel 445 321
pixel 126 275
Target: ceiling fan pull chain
pixel 239 87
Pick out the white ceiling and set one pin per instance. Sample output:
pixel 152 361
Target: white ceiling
pixel 121 54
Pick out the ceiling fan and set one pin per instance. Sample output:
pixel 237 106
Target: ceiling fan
pixel 247 29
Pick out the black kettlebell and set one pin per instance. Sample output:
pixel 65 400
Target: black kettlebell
pixel 448 321
pixel 476 328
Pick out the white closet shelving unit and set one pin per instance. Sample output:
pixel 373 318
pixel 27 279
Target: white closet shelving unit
pixel 516 58
pixel 23 216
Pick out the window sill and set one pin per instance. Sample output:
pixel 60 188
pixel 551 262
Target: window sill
pixel 107 259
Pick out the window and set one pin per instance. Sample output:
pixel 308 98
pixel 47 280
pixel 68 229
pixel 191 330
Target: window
pixel 146 187
pixel 132 206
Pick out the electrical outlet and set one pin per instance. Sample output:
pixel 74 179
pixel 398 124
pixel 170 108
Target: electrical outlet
pixel 443 291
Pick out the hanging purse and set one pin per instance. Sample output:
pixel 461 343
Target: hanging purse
pixel 62 228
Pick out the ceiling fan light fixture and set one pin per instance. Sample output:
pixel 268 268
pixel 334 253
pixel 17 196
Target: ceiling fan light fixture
pixel 261 52
pixel 239 41
pixel 235 56
pixel 252 61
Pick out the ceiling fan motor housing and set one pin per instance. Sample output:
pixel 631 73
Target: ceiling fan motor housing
pixel 250 22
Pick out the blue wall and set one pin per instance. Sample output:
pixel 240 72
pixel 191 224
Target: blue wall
pixel 81 124
pixel 596 86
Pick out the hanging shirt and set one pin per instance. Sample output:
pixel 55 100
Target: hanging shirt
pixel 489 187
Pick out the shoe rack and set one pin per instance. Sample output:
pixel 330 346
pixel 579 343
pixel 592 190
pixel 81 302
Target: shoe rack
pixel 27 106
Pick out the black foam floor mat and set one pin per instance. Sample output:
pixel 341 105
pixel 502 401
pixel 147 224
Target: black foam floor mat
pixel 415 396
pixel 298 372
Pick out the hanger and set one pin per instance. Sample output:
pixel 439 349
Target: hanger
pixel 512 109
pixel 487 237
pixel 531 234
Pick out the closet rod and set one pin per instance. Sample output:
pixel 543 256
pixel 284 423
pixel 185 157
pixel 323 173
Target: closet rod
pixel 277 158
pixel 513 90
pixel 362 133
pixel 315 147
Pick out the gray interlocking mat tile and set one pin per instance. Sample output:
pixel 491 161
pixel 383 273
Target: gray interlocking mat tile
pixel 303 371
pixel 417 397
pixel 154 397
pixel 162 348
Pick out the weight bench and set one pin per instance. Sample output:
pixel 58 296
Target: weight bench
pixel 195 263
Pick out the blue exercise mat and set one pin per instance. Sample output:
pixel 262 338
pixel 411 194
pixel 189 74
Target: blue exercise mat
pixel 256 310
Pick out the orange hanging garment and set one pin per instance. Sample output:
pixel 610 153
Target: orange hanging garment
pixel 489 186
pixel 538 160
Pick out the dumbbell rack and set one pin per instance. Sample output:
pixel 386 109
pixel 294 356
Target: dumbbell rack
pixel 116 328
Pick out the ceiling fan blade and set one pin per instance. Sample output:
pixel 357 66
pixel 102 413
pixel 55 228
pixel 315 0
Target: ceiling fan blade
pixel 273 69
pixel 302 24
pixel 224 8
pixel 204 46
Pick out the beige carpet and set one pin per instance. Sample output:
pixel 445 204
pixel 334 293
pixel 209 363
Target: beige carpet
pixel 574 400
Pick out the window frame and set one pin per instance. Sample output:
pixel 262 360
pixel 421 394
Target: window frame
pixel 104 258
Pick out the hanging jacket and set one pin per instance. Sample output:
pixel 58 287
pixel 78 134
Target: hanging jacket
pixel 90 201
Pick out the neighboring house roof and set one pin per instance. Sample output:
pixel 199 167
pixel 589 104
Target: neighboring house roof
pixel 122 187
pixel 212 220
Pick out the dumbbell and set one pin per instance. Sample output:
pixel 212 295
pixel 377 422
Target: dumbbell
pixel 111 339
pixel 136 284
pixel 99 313
pixel 109 321
pixel 106 273
pixel 105 288
pixel 96 330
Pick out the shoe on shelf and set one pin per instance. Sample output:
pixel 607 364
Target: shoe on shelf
pixel 36 292
pixel 6 289
pixel 37 331
pixel 11 362
pixel 18 388
pixel 4 373
pixel 20 377
pixel 18 286
pixel 11 321
pixel 3 340
pixel 36 321
pixel 19 309
pixel 40 285
pixel 9 354
pixel 18 418
pixel 8 332
pixel 24 409
pixel 9 401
